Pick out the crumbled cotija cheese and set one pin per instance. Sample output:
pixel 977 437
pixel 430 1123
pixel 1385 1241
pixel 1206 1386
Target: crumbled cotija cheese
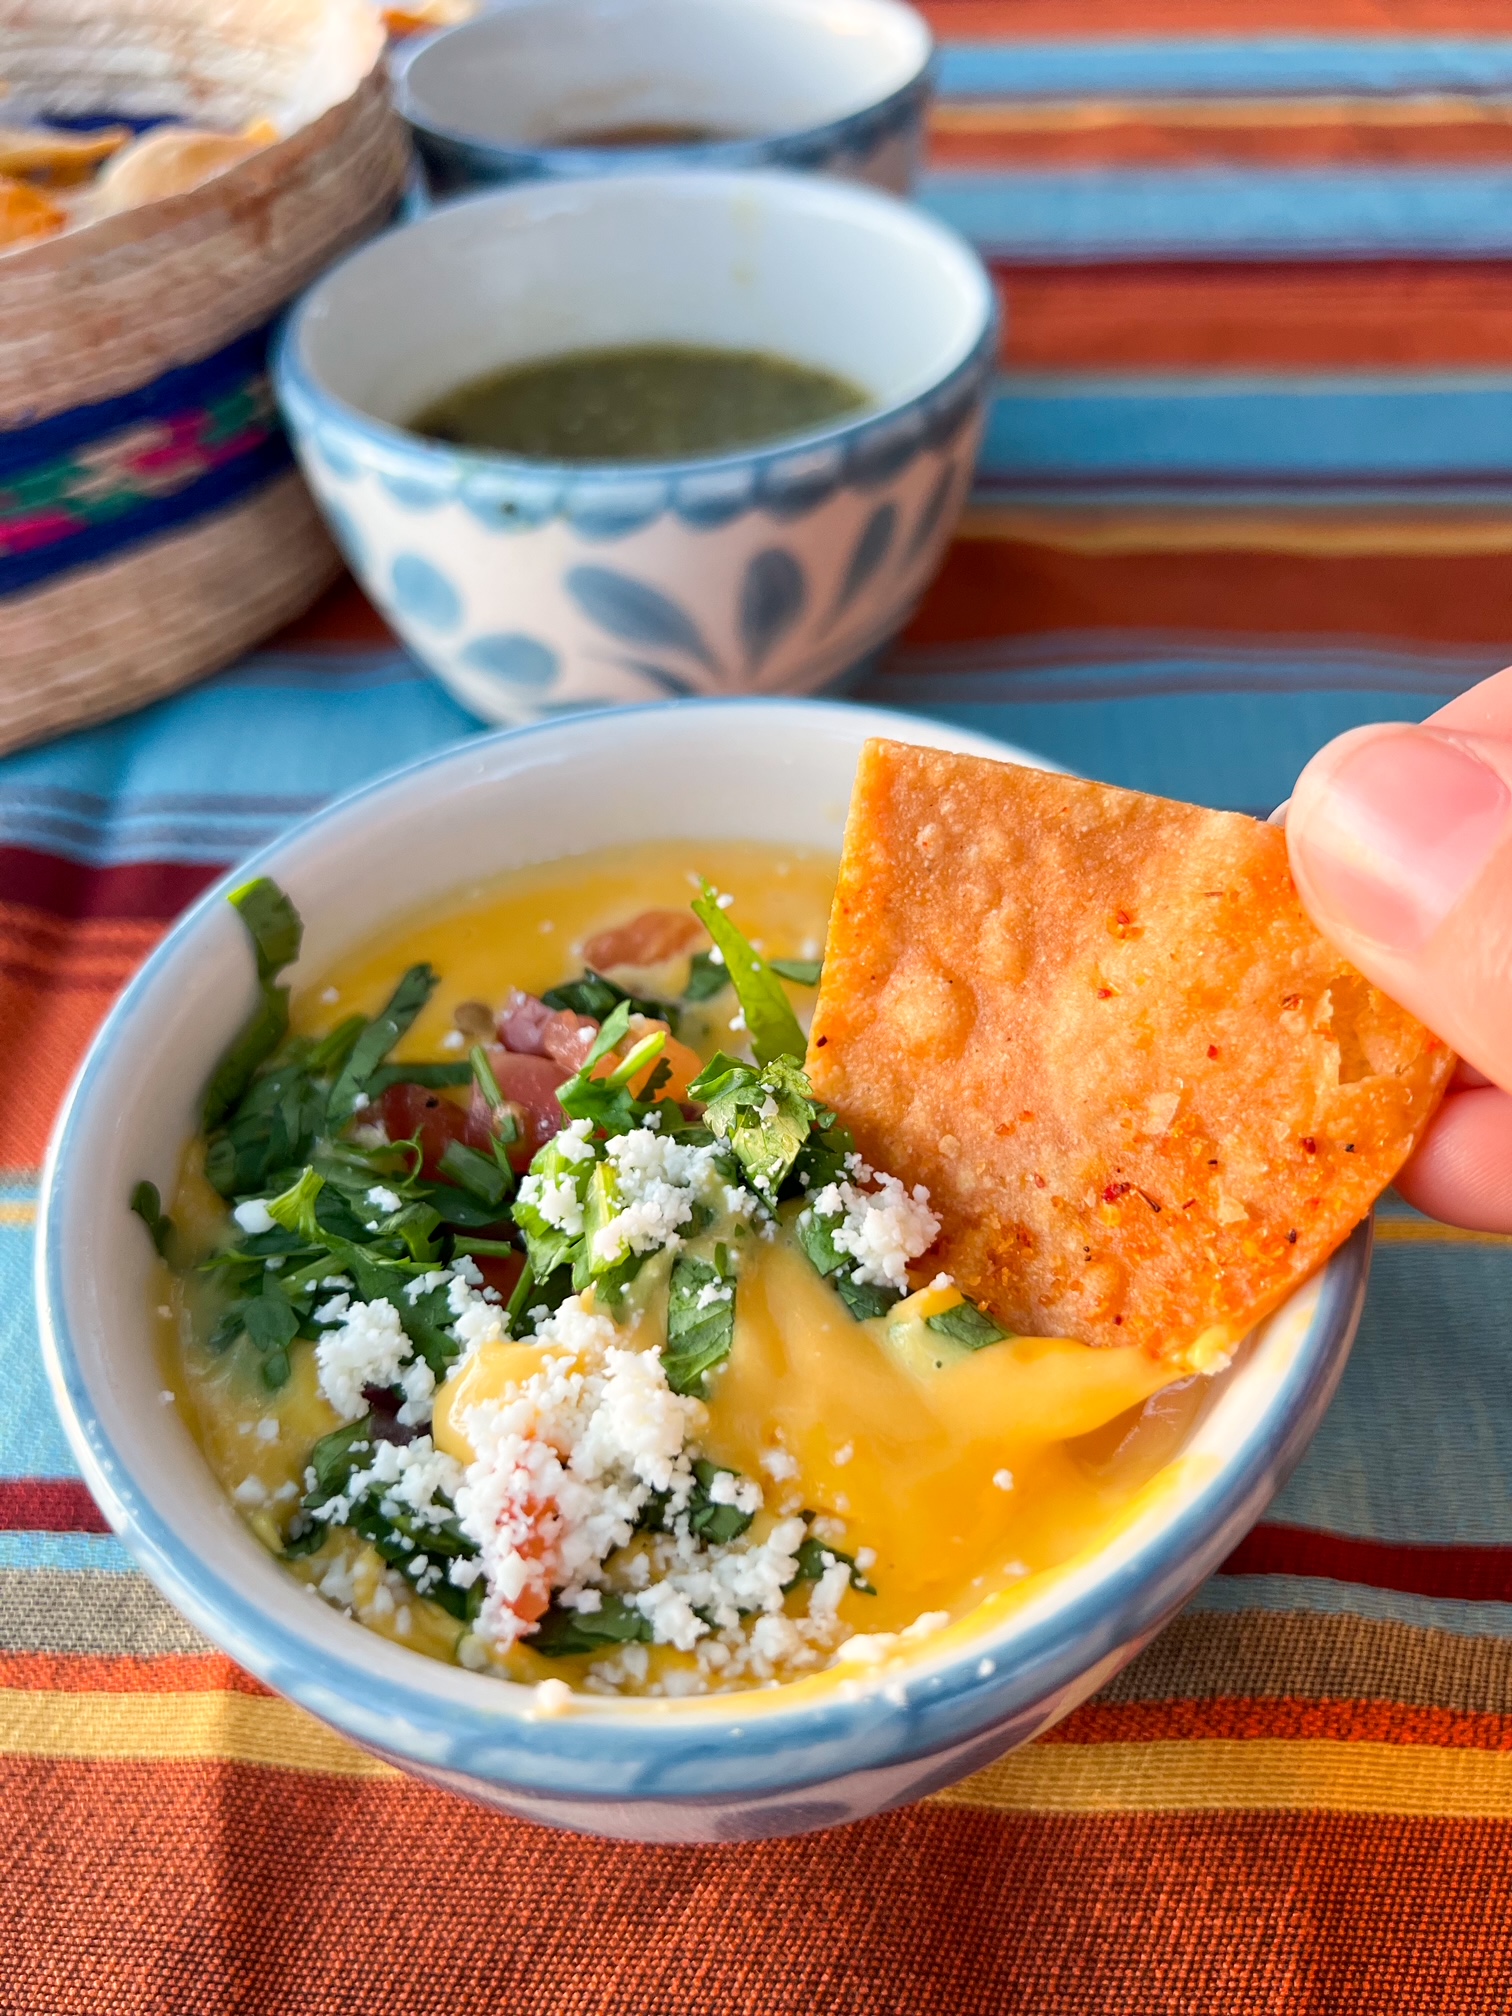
pixel 882 1227
pixel 659 1182
pixel 366 1349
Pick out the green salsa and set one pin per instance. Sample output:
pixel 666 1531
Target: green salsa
pixel 657 402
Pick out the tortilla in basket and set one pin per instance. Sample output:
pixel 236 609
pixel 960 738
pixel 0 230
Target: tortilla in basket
pixel 1148 1098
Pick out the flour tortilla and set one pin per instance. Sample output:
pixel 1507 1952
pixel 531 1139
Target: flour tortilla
pixel 1147 1096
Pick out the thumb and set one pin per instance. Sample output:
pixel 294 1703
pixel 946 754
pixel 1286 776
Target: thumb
pixel 1401 845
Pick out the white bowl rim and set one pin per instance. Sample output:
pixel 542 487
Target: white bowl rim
pixel 746 149
pixel 657 1751
pixel 401 449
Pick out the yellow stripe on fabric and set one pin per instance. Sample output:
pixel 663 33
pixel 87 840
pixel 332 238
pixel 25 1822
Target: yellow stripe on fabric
pixel 1072 115
pixel 183 1728
pixel 1408 1781
pixel 1325 534
pixel 1424 1232
pixel 14 1213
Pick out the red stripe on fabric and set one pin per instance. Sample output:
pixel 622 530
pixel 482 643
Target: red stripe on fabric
pixel 48 1505
pixel 1472 1574
pixel 135 889
pixel 1278 1718
pixel 1234 20
pixel 343 615
pixel 125 1673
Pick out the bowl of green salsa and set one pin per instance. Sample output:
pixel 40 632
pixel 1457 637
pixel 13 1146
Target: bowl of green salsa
pixel 627 438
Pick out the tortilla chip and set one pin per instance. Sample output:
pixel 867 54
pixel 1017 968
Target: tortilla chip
pixel 57 155
pixel 1148 1098
pixel 25 213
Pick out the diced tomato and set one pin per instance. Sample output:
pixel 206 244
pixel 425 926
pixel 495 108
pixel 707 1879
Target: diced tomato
pixel 528 1083
pixel 521 1020
pixel 410 1110
pixel 646 940
pixel 567 1038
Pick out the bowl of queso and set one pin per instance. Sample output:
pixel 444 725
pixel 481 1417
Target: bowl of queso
pixel 563 88
pixel 463 1305
pixel 641 437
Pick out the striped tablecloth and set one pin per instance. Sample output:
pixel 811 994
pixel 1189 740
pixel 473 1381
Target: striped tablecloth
pixel 1248 481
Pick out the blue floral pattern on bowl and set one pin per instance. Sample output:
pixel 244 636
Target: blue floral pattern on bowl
pixel 527 588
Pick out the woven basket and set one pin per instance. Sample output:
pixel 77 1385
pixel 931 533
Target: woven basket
pixel 151 523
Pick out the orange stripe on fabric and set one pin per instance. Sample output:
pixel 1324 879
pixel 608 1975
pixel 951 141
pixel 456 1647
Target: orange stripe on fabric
pixel 58 977
pixel 153 1891
pixel 1177 317
pixel 190 1726
pixel 961 142
pixel 1258 1774
pixel 1281 1718
pixel 1353 1774
pixel 1009 588
pixel 1234 20
pixel 90 1673
pixel 1306 534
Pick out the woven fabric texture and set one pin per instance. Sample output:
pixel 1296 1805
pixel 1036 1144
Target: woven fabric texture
pixel 1248 482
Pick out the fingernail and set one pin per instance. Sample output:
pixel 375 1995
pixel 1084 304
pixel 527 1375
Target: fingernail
pixel 1397 832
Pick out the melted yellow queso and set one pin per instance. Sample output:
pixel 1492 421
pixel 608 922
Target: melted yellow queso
pixel 952 1475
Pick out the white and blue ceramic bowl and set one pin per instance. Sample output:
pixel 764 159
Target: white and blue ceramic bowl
pixel 834 86
pixel 530 586
pixel 728 1767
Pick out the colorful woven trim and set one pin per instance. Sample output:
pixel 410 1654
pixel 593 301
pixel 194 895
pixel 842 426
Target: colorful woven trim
pixel 77 488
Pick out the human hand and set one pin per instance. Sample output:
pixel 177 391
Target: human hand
pixel 1401 844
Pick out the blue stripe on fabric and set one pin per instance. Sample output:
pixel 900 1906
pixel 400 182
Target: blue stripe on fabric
pixel 1318 428
pixel 1231 1595
pixel 1278 213
pixel 32 1443
pixel 1127 667
pixel 69 1551
pixel 1241 751
pixel 1418 1444
pixel 149 517
pixel 267 749
pixel 180 390
pixel 1283 65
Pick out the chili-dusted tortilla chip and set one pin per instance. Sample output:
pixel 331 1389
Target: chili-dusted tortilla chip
pixel 25 213
pixel 56 155
pixel 1147 1096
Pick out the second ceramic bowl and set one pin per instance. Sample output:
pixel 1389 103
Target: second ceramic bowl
pixel 531 586
pixel 588 87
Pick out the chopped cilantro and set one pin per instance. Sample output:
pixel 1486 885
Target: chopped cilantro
pixel 377 1039
pixel 816 1235
pixel 275 930
pixel 561 1632
pixel 480 1175
pixel 594 995
pixel 802 972
pixel 765 1115
pixel 865 1299
pixel 968 1325
pixel 698 1337
pixel 706 978
pixel 421 1552
pixel 773 1027
pixel 714 1522
pixel 272 922
pixel 148 1206
pixel 258 1038
pixel 814 1556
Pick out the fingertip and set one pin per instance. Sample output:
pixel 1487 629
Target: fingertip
pixel 1462 1173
